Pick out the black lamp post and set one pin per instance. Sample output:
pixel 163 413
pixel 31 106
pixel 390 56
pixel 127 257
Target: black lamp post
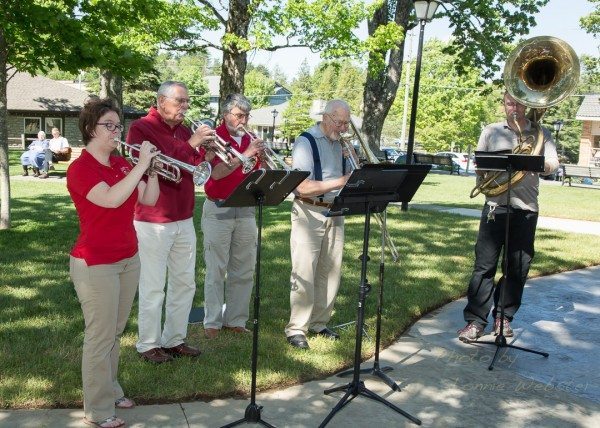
pixel 424 9
pixel 274 113
pixel 558 124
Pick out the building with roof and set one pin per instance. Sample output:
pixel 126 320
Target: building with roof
pixel 37 103
pixel 589 144
pixel 279 96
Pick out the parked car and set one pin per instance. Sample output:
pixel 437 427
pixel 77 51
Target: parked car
pixel 391 153
pixel 460 160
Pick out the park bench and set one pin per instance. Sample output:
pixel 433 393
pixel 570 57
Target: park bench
pixel 440 160
pixel 579 171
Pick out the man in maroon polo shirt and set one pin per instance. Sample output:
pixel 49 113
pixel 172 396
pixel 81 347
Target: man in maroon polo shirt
pixel 166 234
pixel 230 234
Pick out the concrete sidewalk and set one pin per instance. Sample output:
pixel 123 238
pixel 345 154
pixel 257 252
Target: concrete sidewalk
pixel 563 224
pixel 443 381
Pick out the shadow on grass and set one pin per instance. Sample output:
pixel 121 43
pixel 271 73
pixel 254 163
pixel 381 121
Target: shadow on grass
pixel 42 326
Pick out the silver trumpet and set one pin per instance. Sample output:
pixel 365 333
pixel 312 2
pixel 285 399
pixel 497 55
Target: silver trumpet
pixel 223 148
pixel 170 168
pixel 269 157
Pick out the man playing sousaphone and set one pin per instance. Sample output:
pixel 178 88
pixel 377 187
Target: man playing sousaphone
pixel 504 136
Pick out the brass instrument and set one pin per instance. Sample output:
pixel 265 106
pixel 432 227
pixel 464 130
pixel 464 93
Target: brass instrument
pixel 269 157
pixel 223 148
pixel 354 164
pixel 170 168
pixel 539 73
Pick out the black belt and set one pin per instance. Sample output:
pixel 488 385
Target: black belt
pixel 313 202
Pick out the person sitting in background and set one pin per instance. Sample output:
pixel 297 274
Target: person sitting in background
pixel 104 262
pixel 58 150
pixel 34 156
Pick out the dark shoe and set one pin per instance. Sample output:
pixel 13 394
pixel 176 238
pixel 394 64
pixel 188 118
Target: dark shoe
pixel 298 341
pixel 507 331
pixel 43 175
pixel 36 172
pixel 471 332
pixel 211 333
pixel 182 350
pixel 156 355
pixel 25 171
pixel 238 329
pixel 330 334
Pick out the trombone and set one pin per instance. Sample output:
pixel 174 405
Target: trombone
pixel 170 168
pixel 354 164
pixel 269 157
pixel 223 148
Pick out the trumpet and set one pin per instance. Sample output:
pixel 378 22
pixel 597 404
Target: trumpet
pixel 170 168
pixel 269 157
pixel 223 148
pixel 354 164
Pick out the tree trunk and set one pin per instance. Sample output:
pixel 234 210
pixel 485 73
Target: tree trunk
pixel 111 86
pixel 381 87
pixel 4 172
pixel 234 58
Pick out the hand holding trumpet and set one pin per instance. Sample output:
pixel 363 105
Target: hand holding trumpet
pixel 147 153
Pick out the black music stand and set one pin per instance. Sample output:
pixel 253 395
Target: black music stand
pixel 501 161
pixel 260 188
pixel 368 191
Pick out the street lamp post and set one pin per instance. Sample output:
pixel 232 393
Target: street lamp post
pixel 558 124
pixel 424 9
pixel 274 113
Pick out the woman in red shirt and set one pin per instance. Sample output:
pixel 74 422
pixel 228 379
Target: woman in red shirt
pixel 104 262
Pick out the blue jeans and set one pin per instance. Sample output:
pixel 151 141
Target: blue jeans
pixel 34 159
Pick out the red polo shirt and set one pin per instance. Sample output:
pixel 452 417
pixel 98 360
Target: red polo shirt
pixel 176 200
pixel 221 189
pixel 106 235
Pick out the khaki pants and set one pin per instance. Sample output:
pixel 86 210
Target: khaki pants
pixel 165 247
pixel 230 236
pixel 317 244
pixel 106 293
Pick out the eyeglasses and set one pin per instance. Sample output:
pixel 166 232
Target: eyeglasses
pixel 180 101
pixel 111 126
pixel 338 123
pixel 241 116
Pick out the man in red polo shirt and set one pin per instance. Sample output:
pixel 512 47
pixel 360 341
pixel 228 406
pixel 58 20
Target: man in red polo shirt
pixel 166 234
pixel 230 234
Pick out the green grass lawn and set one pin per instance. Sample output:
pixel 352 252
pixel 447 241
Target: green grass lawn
pixel 41 324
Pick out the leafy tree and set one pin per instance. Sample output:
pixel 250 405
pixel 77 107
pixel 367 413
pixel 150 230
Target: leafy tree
pixel 79 29
pixel 323 25
pixel 481 31
pixel 591 22
pixel 296 118
pixel 452 108
pixel 258 87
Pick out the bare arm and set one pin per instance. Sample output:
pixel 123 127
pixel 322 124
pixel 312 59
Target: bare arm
pixel 106 196
pixel 309 188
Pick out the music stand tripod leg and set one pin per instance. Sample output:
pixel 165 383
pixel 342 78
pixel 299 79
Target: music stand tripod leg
pixel 356 386
pixel 252 413
pixel 500 341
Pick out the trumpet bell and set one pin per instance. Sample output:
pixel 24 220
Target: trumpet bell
pixel 541 71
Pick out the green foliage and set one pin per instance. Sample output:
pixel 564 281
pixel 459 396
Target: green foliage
pixel 591 22
pixel 258 86
pixel 339 79
pixel 41 323
pixel 190 70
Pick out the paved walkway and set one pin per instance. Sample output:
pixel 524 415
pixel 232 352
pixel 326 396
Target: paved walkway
pixel 443 381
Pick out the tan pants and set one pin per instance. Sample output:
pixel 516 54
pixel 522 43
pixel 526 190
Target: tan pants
pixel 165 248
pixel 230 236
pixel 106 293
pixel 317 244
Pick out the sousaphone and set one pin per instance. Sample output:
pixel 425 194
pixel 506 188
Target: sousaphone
pixel 539 73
